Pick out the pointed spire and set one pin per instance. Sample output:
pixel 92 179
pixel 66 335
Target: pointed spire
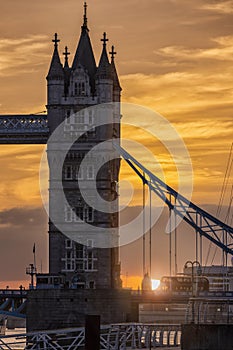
pixel 56 69
pixel 56 41
pixel 104 40
pixel 85 27
pixel 104 69
pixel 116 82
pixel 67 71
pixel 66 54
pixel 84 55
pixel 112 53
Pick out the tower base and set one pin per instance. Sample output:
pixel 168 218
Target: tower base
pixel 67 308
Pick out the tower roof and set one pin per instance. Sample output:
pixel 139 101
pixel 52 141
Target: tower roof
pixel 66 54
pixel 116 82
pixel 56 69
pixel 84 55
pixel 104 69
pixel 67 71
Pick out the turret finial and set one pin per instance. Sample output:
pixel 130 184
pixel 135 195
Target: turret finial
pixel 105 40
pixel 113 53
pixel 85 15
pixel 66 54
pixel 55 40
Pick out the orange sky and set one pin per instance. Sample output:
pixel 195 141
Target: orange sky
pixel 174 56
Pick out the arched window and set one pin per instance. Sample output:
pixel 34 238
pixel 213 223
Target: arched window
pixel 68 172
pixel 79 89
pixel 76 89
pixel 83 89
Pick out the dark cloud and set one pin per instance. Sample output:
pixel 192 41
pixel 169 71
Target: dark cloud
pixel 20 228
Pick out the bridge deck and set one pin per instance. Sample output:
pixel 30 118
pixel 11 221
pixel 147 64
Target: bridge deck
pixel 24 129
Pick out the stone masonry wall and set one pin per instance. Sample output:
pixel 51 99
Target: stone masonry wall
pixel 61 308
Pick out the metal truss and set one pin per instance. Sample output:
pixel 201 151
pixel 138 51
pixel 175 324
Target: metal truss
pixel 13 303
pixel 204 223
pixel 23 129
pixel 112 337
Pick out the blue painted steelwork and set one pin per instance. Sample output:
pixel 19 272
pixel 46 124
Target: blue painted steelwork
pixel 204 223
pixel 13 303
pixel 13 314
pixel 24 129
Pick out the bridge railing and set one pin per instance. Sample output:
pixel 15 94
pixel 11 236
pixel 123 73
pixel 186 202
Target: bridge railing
pixel 210 311
pixel 23 123
pixel 113 337
pixel 23 129
pixel 13 293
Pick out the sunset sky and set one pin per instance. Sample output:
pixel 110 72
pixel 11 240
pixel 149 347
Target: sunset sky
pixel 173 56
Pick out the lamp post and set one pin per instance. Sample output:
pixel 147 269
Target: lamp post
pixel 193 263
pixel 31 270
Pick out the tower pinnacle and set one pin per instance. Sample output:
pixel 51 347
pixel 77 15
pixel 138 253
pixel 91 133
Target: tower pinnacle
pixel 55 40
pixel 85 17
pixel 56 69
pixel 113 53
pixel 105 40
pixel 66 54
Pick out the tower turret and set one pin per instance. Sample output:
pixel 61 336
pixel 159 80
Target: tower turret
pixel 104 80
pixel 116 83
pixel 56 81
pixel 55 77
pixel 67 72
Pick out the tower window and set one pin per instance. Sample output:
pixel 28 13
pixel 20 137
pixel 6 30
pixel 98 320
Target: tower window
pixel 79 121
pixel 67 117
pixel 88 214
pixel 89 243
pixel 69 255
pixel 83 89
pixel 91 284
pixel 79 251
pixel 68 172
pixel 90 172
pixel 68 214
pixel 90 261
pixel 79 173
pixel 91 119
pixel 75 89
pixel 90 217
pixel 79 214
pixel 68 244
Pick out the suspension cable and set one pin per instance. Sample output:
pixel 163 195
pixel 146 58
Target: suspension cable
pixel 150 234
pixel 144 227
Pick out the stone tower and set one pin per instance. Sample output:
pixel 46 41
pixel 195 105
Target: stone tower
pixel 71 90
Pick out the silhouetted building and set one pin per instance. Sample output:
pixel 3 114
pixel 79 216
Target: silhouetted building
pixel 71 90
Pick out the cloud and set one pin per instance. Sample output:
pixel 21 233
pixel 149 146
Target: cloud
pixel 20 175
pixel 179 93
pixel 223 51
pixel 18 217
pixel 22 55
pixel 224 7
pixel 20 228
pixel 198 102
